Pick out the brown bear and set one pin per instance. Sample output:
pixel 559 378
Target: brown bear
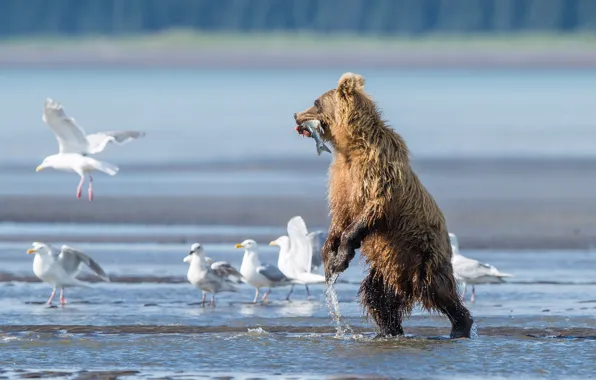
pixel 379 205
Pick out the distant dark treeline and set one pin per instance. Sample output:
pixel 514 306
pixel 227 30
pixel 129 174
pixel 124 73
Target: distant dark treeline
pixel 380 17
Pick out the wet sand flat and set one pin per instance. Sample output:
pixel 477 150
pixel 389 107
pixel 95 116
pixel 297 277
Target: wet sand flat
pixel 418 331
pixel 505 204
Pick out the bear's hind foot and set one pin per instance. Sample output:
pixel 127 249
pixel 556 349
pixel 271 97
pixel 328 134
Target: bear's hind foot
pixel 462 329
pixel 389 332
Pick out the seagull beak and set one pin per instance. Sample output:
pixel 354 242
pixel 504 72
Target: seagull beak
pixel 31 250
pixel 239 246
pixel 39 168
pixel 273 243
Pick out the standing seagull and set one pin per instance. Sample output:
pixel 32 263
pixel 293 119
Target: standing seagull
pixel 75 146
pixel 60 268
pixel 473 272
pixel 296 255
pixel 259 275
pixel 210 277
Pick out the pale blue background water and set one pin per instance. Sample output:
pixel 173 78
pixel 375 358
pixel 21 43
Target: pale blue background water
pixel 195 115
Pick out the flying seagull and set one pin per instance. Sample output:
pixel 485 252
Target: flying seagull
pixel 75 147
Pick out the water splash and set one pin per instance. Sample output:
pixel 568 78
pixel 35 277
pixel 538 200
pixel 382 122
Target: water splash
pixel 257 331
pixel 332 302
pixel 333 305
pixel 474 331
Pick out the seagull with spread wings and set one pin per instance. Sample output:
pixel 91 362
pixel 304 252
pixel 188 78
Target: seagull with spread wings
pixel 61 267
pixel 75 146
pixel 296 254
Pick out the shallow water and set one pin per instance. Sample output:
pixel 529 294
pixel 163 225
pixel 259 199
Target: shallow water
pixel 540 324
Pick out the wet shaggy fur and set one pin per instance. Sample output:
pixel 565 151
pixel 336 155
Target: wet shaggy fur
pixel 379 205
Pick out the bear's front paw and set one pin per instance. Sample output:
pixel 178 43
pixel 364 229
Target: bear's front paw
pixel 333 267
pixel 333 270
pixel 345 254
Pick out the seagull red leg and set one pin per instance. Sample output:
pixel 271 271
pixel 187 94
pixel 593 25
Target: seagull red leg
pixel 62 299
pixel 266 295
pixel 80 188
pixel 49 302
pixel 90 187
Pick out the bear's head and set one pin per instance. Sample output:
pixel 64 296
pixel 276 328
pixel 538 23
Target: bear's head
pixel 335 108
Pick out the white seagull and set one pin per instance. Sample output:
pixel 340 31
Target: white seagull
pixel 210 277
pixel 75 146
pixel 259 275
pixel 296 255
pixel 60 268
pixel 473 272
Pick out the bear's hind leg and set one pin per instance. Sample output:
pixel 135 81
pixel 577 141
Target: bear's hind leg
pixel 445 299
pixel 386 308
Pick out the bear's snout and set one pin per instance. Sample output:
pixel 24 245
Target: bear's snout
pixel 299 128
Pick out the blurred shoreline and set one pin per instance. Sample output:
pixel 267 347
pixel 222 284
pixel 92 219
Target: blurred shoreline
pixel 301 51
pixel 272 59
pixel 489 204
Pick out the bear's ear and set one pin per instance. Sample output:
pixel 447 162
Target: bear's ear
pixel 350 83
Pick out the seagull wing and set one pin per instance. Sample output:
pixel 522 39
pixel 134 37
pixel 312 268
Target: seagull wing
pixel 454 243
pixel 271 272
pixel 71 258
pixel 216 282
pixel 98 141
pixel 317 240
pixel 300 251
pixel 225 270
pixel 71 138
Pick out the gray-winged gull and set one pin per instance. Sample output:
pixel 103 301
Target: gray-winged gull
pixel 209 276
pixel 259 275
pixel 60 267
pixel 473 272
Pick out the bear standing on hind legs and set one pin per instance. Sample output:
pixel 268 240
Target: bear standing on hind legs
pixel 379 205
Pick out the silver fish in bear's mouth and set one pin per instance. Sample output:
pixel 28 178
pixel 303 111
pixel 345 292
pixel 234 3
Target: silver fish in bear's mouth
pixel 314 128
